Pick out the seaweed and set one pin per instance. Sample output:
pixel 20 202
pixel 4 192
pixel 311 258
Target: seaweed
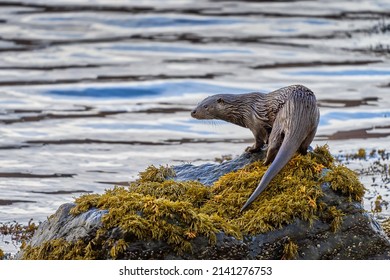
pixel 154 174
pixel 290 250
pixel 18 232
pixel 386 227
pixel 346 181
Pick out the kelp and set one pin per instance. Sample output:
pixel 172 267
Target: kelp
pixel 156 208
pixel 386 226
pixel 290 250
pixel 346 181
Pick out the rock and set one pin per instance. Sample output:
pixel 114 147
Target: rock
pixel 208 173
pixel 62 225
pixel 158 218
pixel 68 227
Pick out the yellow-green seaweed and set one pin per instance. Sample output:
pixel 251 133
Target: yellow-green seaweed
pixel 386 226
pixel 377 205
pixel 346 181
pixel 154 174
pixel 336 218
pixel 155 208
pixel 290 250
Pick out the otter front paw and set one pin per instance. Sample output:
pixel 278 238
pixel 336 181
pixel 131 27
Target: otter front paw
pixel 253 149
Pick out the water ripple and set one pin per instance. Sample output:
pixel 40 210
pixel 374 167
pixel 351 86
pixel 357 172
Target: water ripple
pixel 92 92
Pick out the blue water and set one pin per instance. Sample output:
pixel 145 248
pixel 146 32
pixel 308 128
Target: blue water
pixel 109 92
pixel 317 21
pixel 348 116
pixel 144 90
pixel 148 22
pixel 166 127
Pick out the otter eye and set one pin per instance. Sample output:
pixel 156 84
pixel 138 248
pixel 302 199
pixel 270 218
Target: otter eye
pixel 220 100
pixel 205 106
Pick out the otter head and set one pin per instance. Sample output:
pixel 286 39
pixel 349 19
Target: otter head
pixel 211 107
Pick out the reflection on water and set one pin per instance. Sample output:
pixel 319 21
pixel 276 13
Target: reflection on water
pixel 138 91
pixel 93 92
pixel 173 49
pixel 107 92
pixel 340 115
pixel 353 72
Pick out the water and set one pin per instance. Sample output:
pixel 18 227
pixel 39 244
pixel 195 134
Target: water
pixel 92 92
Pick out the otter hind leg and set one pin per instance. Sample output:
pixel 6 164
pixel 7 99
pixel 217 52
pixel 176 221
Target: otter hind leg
pixel 306 143
pixel 276 141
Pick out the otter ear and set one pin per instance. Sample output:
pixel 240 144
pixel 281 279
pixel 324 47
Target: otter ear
pixel 220 100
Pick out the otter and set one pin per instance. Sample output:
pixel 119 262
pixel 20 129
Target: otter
pixel 285 120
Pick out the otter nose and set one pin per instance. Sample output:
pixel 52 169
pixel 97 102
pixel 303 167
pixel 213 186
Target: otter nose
pixel 193 113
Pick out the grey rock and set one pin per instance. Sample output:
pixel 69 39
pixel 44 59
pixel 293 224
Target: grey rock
pixel 64 225
pixel 360 236
pixel 208 173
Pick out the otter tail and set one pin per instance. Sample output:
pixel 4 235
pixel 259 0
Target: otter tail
pixel 293 130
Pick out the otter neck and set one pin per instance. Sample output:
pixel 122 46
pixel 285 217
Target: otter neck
pixel 235 119
pixel 243 109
